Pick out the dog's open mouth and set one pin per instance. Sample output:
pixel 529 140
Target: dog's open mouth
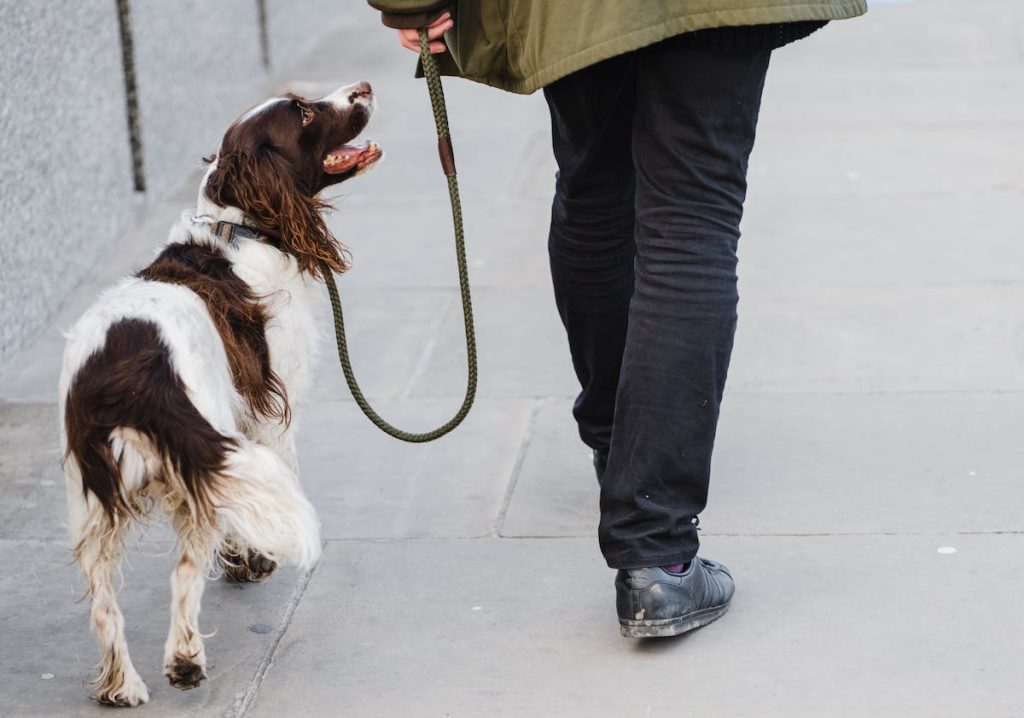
pixel 352 157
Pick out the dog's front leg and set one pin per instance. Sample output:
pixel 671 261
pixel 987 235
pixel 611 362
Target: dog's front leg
pixel 184 654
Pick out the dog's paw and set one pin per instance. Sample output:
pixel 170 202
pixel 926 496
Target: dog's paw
pixel 184 674
pixel 132 692
pixel 253 567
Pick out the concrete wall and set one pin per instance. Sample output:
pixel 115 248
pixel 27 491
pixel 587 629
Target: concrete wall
pixel 65 184
pixel 66 189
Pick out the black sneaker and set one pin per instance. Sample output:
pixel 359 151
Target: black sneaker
pixel 653 602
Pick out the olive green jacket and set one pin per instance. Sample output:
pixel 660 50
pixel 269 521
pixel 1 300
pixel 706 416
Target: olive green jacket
pixel 522 45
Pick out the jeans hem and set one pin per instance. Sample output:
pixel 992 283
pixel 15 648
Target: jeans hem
pixel 626 561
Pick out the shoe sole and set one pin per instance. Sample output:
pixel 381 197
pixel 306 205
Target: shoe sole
pixel 671 626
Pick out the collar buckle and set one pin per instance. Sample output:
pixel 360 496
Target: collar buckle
pixel 228 232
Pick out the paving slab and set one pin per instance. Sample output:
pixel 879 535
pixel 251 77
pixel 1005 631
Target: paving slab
pixel 31 482
pixel 367 485
pixel 810 162
pixel 937 337
pixel 556 490
pixel 812 464
pixel 898 35
pixel 899 241
pixel 391 336
pixel 41 614
pixel 799 94
pixel 868 463
pixel 521 348
pixel 397 246
pixel 819 626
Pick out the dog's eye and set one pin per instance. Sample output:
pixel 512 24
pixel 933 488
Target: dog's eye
pixel 307 115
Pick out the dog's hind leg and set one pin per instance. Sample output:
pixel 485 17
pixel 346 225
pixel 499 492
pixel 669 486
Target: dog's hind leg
pixel 99 549
pixel 98 535
pixel 242 564
pixel 184 654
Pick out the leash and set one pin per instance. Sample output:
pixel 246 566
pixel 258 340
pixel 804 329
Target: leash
pixel 444 146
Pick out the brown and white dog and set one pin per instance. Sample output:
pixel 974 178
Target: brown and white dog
pixel 178 385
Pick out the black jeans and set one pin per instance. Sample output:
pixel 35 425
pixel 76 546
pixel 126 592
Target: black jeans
pixel 652 152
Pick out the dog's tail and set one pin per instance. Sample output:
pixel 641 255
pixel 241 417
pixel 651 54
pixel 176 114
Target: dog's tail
pixel 128 420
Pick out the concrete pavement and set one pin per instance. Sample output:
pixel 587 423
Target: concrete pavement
pixel 867 490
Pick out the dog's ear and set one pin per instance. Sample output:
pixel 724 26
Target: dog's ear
pixel 261 185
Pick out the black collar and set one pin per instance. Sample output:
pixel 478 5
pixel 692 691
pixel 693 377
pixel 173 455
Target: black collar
pixel 229 231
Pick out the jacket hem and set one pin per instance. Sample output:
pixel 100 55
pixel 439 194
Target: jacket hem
pixel 650 35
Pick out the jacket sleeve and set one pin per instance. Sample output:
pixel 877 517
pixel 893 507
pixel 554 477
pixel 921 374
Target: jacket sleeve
pixel 404 14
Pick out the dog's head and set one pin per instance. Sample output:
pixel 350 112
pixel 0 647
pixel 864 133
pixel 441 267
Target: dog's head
pixel 279 155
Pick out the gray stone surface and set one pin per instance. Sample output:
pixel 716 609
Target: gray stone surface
pixel 367 485
pixel 819 626
pixel 890 242
pixel 389 241
pixel 294 28
pixel 524 352
pixel 813 464
pixel 868 463
pixel 33 485
pixel 391 336
pixel 955 337
pixel 556 488
pixel 872 417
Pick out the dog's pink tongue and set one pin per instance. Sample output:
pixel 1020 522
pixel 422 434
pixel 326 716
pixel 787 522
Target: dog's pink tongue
pixel 346 157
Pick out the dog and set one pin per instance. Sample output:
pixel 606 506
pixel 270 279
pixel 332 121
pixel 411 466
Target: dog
pixel 178 385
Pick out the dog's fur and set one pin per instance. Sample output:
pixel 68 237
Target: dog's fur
pixel 178 385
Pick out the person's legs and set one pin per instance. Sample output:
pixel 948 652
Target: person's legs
pixel 693 129
pixel 591 243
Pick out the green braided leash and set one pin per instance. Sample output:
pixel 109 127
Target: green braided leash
pixel 448 165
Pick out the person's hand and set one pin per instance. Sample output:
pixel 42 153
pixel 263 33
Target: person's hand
pixel 411 38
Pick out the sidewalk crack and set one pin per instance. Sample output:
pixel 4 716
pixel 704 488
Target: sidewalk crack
pixel 428 351
pixel 513 481
pixel 243 703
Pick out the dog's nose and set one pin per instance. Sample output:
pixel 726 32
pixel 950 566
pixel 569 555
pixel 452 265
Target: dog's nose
pixel 360 89
pixel 359 93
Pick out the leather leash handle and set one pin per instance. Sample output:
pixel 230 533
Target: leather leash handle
pixel 412 17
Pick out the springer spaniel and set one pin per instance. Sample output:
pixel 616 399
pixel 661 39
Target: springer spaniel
pixel 177 386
